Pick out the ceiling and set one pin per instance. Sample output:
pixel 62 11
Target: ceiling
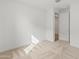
pixel 43 4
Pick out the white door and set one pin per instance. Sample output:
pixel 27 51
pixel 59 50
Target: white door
pixel 64 30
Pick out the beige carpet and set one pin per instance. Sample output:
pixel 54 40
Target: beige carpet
pixel 44 50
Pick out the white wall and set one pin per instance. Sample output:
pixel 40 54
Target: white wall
pixel 18 22
pixel 8 33
pixel 74 24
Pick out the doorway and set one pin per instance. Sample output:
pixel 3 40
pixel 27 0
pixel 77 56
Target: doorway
pixel 62 23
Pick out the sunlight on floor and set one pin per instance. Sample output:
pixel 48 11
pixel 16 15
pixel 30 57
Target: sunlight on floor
pixel 35 41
